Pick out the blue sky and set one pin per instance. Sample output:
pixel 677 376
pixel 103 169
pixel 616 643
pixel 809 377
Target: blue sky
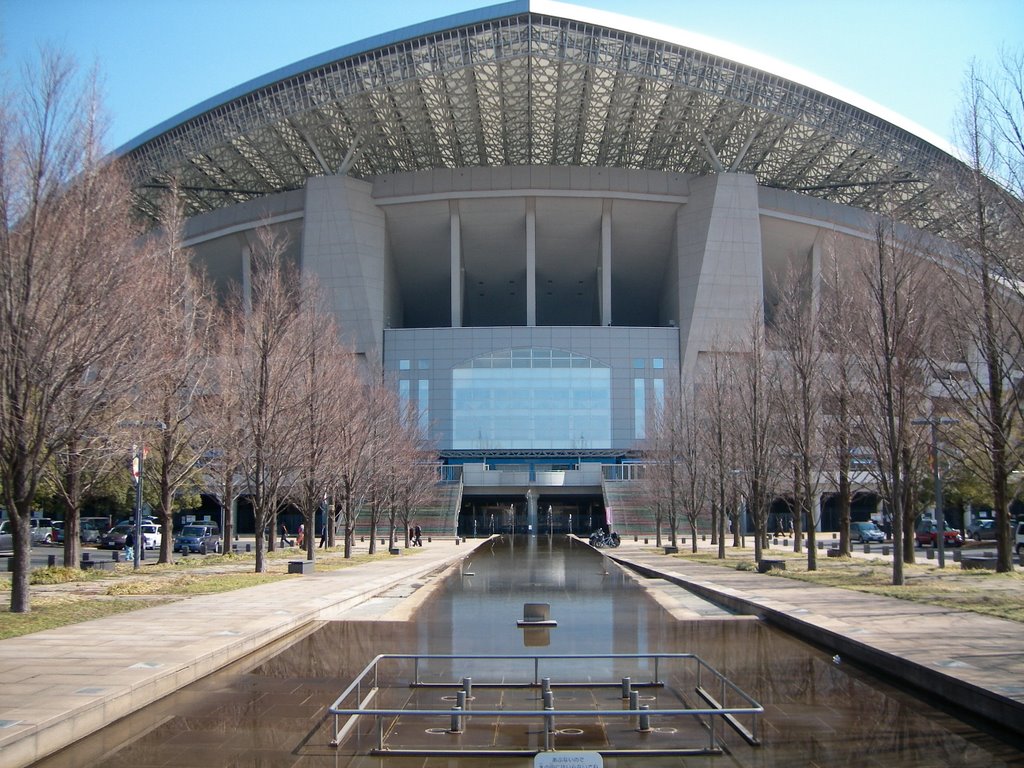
pixel 160 57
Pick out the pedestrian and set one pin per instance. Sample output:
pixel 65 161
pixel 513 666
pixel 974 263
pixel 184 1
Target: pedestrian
pixel 129 546
pixel 323 537
pixel 418 535
pixel 284 536
pixel 301 538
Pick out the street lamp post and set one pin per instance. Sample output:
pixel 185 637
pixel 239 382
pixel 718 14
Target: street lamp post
pixel 137 464
pixel 138 460
pixel 940 515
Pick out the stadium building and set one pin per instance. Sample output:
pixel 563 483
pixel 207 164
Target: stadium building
pixel 536 218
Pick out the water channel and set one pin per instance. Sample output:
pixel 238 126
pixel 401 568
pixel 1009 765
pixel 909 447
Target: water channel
pixel 270 710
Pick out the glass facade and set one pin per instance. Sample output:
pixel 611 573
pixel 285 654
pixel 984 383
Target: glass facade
pixel 531 399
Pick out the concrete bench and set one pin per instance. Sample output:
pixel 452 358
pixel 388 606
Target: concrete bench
pixel 670 550
pixel 834 552
pixel 97 565
pixel 973 562
pixel 301 566
pixel 764 565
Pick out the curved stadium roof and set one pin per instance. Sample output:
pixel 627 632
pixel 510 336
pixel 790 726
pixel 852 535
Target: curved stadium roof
pixel 541 83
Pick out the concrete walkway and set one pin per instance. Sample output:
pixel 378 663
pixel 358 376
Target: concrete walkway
pixel 970 660
pixel 60 685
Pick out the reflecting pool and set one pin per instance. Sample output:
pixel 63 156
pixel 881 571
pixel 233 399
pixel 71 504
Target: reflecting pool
pixel 271 710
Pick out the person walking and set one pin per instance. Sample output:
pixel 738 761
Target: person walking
pixel 284 536
pixel 418 535
pixel 301 538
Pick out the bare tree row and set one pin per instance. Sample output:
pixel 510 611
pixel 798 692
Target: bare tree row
pixel 110 340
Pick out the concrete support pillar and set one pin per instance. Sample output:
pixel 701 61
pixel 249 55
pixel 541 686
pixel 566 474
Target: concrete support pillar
pixel 604 272
pixel 457 281
pixel 531 262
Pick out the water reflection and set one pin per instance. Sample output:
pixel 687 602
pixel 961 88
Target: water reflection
pixel 271 712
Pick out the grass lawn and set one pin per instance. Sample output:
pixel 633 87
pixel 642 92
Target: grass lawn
pixel 980 591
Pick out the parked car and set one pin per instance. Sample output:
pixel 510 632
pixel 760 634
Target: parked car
pixel 1019 542
pixel 924 534
pixel 866 531
pixel 41 530
pixel 982 530
pixel 6 538
pixel 115 537
pixel 58 531
pixel 89 532
pixel 198 537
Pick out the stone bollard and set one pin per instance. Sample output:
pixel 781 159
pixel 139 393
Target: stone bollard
pixel 885 550
pixel 646 541
pixel 51 561
pixel 867 548
pixel 821 545
pixel 634 699
pixel 626 687
pixel 248 548
pixel 635 537
pixel 957 556
pixel 930 554
pixel 835 535
pixel 645 719
pixel 456 722
pixel 85 557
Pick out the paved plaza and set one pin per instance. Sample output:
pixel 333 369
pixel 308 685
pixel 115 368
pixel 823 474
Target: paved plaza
pixel 59 685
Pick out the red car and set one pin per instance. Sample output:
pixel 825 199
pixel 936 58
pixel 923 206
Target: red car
pixel 924 534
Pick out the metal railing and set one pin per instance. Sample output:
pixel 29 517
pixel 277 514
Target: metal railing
pixel 387 673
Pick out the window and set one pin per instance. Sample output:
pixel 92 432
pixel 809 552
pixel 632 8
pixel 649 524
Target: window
pixel 639 410
pixel 423 404
pixel 531 398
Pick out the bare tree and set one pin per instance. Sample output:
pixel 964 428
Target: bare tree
pixel 715 396
pixel 383 452
pixel 321 380
pixel 179 343
pixel 894 328
pixel 840 373
pixel 352 451
pixel 270 351
pixel 796 333
pixel 985 328
pixel 678 473
pixel 757 416
pixel 222 412
pixel 71 283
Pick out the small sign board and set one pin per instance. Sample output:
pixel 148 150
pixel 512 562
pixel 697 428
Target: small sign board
pixel 568 760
